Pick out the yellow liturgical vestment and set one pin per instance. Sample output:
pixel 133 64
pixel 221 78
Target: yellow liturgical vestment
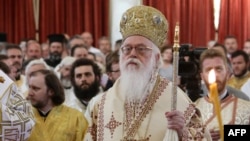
pixel 62 124
pixel 236 82
pixel 16 116
pixel 111 118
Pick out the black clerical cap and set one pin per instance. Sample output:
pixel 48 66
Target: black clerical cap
pixel 3 37
pixel 56 38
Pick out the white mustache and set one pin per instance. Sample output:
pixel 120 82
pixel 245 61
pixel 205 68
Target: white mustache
pixel 133 60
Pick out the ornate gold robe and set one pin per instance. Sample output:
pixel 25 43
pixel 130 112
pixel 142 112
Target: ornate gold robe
pixel 16 116
pixel 238 82
pixel 62 124
pixel 233 111
pixel 110 118
pixel 22 86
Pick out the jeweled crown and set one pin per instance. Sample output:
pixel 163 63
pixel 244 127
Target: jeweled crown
pixel 144 21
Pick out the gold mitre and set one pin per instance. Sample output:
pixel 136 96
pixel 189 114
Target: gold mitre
pixel 144 21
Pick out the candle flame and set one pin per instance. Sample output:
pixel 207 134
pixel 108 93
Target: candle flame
pixel 211 76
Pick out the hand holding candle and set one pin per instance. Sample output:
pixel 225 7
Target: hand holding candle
pixel 213 91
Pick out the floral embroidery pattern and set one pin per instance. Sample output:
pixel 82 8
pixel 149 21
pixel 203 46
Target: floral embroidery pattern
pixel 112 125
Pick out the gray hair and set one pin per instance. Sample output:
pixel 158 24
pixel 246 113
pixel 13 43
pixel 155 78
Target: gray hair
pixel 37 62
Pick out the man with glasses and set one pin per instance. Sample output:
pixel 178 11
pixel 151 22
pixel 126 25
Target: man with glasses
pixel 138 106
pixel 112 68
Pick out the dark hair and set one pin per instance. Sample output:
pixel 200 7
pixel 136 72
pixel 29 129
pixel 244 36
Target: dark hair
pixel 93 54
pixel 53 83
pixel 118 43
pixel 73 38
pixel 212 53
pixel 26 62
pixel 165 47
pixel 3 57
pixel 72 50
pixel 85 62
pixel 32 41
pixel 104 38
pixel 241 53
pixel 222 46
pixel 12 46
pixel 4 67
pixel 111 58
pixel 230 37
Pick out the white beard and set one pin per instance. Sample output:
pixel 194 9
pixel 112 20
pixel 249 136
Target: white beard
pixel 66 82
pixel 135 79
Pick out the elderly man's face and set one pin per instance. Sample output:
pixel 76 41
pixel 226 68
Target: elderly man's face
pixel 138 60
pixel 65 71
pixel 136 51
pixel 65 76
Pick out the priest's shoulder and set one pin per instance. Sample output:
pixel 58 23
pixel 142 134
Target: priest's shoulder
pixel 96 99
pixel 243 103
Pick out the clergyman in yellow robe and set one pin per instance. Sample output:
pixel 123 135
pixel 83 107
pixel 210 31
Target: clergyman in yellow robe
pixel 61 124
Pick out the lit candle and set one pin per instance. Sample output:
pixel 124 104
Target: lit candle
pixel 213 95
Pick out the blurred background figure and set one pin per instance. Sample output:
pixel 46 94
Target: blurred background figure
pixel 3 41
pixel 15 56
pixel 112 69
pixel 118 44
pixel 88 42
pixel 79 51
pixel 231 44
pixel 166 70
pixel 75 40
pixel 56 48
pixel 45 50
pixel 33 50
pixel 10 70
pixel 63 69
pixel 104 45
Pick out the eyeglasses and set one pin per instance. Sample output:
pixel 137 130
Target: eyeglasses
pixel 141 49
pixel 115 71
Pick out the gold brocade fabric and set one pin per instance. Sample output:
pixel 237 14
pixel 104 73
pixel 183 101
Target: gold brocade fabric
pixel 16 116
pixel 233 111
pixel 111 118
pixel 62 124
pixel 22 86
pixel 145 21
pixel 238 82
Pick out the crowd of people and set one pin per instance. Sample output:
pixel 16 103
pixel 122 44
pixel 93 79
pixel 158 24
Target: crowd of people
pixel 67 89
